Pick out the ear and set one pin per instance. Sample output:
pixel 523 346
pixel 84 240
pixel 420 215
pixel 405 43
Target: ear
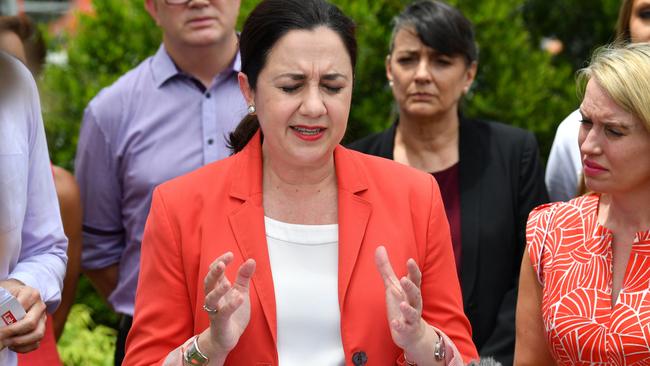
pixel 152 9
pixel 246 89
pixel 389 71
pixel 470 74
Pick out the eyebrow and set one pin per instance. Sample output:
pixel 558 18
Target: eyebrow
pixel 607 123
pixel 300 77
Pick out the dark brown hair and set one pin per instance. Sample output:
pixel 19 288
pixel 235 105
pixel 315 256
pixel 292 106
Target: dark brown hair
pixel 270 21
pixel 439 26
pixel 31 37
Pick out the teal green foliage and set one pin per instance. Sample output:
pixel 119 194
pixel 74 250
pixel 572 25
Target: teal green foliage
pixel 83 342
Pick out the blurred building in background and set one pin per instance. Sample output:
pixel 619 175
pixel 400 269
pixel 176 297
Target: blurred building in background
pixel 56 13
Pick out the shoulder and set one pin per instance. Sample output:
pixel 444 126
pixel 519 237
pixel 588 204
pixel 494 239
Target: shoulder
pixel 113 98
pixel 568 130
pixel 207 180
pixel 497 131
pixel 563 215
pixel 14 76
pixel 370 144
pixel 389 177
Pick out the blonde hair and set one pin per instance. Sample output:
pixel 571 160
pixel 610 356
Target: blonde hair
pixel 623 71
pixel 623 22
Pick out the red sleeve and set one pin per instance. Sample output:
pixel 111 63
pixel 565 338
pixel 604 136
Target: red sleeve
pixel 442 299
pixel 163 313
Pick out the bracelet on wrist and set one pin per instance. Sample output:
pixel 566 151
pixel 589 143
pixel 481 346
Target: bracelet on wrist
pixel 439 352
pixel 192 355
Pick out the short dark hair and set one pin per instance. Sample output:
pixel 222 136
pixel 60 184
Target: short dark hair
pixel 30 36
pixel 439 26
pixel 270 21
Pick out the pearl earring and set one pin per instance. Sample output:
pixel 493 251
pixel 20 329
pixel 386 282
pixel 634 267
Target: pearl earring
pixel 251 109
pixel 390 83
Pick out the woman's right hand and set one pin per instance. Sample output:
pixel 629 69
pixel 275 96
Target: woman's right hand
pixel 232 304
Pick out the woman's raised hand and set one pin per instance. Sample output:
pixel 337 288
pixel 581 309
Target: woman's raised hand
pixel 403 301
pixel 227 304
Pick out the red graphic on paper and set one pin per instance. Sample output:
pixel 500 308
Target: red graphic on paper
pixel 8 318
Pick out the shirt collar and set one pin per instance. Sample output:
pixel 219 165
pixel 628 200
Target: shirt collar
pixel 164 68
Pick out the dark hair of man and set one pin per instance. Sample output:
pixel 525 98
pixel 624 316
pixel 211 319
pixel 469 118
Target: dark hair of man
pixel 270 21
pixel 439 26
pixel 31 37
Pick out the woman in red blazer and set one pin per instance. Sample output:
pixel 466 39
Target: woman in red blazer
pixel 212 225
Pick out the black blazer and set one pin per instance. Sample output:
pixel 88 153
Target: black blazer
pixel 501 181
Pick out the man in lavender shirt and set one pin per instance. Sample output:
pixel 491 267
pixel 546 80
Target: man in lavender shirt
pixel 166 117
pixel 32 243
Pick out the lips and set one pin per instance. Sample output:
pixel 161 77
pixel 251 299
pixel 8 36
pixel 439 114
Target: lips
pixel 308 133
pixel 201 21
pixel 591 168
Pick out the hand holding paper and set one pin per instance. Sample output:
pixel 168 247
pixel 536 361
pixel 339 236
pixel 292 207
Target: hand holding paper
pixel 22 312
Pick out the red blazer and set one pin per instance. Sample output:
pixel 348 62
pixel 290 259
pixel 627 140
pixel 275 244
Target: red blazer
pixel 197 217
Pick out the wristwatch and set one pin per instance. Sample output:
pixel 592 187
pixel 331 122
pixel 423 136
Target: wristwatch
pixel 438 351
pixel 439 348
pixel 192 355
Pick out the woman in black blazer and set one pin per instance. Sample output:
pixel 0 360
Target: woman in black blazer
pixel 489 174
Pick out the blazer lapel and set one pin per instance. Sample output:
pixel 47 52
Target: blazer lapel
pixel 247 223
pixel 470 170
pixel 354 213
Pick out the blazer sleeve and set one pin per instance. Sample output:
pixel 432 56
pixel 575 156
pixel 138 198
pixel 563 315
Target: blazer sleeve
pixel 441 296
pixel 531 192
pixel 163 313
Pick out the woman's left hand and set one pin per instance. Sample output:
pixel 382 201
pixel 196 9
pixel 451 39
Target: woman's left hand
pixel 403 301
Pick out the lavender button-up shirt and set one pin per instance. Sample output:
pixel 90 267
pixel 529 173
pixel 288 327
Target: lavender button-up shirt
pixel 153 124
pixel 32 243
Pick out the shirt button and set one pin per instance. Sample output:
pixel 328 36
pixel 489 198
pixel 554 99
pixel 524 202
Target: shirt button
pixel 210 141
pixel 359 358
pixel 207 95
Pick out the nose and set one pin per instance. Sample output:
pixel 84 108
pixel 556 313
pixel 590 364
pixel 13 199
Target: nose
pixel 590 141
pixel 198 3
pixel 313 105
pixel 423 71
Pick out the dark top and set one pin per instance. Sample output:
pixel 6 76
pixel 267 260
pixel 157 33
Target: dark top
pixel 450 191
pixel 501 181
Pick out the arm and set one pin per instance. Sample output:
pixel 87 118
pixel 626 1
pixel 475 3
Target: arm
pixel 37 277
pixel 441 294
pixel 163 324
pixel 531 193
pixel 531 347
pixel 97 174
pixel 70 203
pixel 104 279
pixel 426 305
pixel 42 260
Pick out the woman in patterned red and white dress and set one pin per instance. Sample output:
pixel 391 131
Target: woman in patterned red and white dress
pixel 585 285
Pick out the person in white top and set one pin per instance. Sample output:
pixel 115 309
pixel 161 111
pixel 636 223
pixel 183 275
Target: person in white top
pixel 564 168
pixel 32 243
pixel 302 226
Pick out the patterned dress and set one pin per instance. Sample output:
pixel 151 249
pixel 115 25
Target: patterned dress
pixel 572 256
